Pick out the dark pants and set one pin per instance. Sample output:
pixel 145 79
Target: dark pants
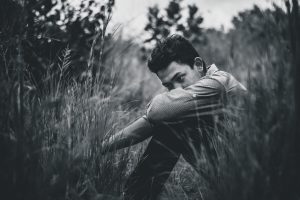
pixel 157 162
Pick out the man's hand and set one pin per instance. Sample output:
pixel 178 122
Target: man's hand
pixel 136 132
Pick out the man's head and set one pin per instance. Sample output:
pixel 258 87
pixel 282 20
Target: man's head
pixel 176 62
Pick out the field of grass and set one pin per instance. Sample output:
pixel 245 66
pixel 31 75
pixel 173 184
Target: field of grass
pixel 50 137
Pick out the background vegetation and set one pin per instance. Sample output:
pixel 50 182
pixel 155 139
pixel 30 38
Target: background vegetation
pixel 65 83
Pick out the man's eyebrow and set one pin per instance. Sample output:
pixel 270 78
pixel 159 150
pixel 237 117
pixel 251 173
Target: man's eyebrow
pixel 176 75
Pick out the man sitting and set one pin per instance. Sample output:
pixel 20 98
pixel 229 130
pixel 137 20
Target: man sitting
pixel 180 121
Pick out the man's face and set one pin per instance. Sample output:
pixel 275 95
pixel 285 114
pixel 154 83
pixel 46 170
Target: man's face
pixel 178 75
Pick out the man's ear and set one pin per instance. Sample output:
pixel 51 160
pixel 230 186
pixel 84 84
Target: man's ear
pixel 199 65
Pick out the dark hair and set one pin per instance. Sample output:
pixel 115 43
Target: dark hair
pixel 173 48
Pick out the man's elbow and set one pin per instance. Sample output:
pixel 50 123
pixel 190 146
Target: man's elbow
pixel 160 110
pixel 155 116
pixel 153 113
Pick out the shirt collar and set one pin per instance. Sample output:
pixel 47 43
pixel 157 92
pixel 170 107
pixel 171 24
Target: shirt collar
pixel 211 69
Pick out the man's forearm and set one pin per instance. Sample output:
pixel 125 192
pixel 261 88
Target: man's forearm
pixel 136 132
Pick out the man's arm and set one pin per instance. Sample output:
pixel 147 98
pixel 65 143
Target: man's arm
pixel 200 99
pixel 136 132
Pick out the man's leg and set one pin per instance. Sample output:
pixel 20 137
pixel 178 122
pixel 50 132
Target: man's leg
pixel 155 166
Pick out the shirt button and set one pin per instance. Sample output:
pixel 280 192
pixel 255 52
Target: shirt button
pixel 194 95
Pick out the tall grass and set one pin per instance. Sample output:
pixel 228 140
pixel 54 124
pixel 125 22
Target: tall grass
pixel 52 141
pixel 50 138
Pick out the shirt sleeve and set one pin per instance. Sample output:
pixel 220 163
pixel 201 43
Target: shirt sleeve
pixel 200 99
pixel 232 86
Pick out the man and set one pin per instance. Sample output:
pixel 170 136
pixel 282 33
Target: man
pixel 180 121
